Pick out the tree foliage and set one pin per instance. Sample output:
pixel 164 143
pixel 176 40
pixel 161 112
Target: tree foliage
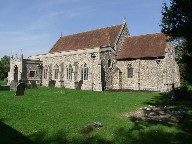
pixel 4 67
pixel 177 24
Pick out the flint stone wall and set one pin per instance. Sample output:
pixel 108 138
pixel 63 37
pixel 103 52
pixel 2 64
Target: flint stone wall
pixel 17 61
pixel 148 74
pixel 77 60
pixel 107 60
pixel 24 67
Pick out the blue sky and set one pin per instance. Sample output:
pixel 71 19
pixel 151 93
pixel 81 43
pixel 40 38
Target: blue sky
pixel 35 25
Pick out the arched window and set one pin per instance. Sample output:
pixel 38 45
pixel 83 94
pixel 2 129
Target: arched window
pixel 84 72
pixel 129 71
pixel 109 63
pixel 69 72
pixel 56 72
pixel 45 72
pixel 16 73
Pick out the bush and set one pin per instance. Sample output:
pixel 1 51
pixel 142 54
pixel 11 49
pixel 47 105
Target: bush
pixel 182 93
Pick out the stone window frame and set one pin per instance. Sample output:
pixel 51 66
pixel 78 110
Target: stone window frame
pixel 84 72
pixel 69 72
pixel 56 71
pixel 45 72
pixel 32 75
pixel 15 68
pixel 109 63
pixel 130 71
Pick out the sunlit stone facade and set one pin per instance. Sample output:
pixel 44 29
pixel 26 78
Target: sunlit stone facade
pixel 102 62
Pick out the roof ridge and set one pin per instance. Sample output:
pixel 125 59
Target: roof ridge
pixel 55 43
pixel 117 38
pixel 145 34
pixel 92 30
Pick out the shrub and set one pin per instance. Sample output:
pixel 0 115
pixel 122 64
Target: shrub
pixel 182 93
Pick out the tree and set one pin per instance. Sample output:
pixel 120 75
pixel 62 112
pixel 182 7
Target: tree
pixel 4 67
pixel 177 25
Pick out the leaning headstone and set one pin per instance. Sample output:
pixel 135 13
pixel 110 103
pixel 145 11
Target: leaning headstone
pixel 13 85
pixel 20 89
pixel 51 84
pixel 33 84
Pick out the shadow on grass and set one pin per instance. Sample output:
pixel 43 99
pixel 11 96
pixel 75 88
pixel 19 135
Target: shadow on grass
pixel 185 126
pixel 138 134
pixel 135 135
pixel 147 132
pixel 61 138
pixel 165 100
pixel 4 88
pixel 42 138
pixel 8 135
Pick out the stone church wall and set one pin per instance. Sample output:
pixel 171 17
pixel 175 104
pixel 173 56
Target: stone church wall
pixel 29 66
pixel 77 60
pixel 147 75
pixel 20 70
pixel 108 59
pixel 107 62
pixel 154 74
pixel 15 63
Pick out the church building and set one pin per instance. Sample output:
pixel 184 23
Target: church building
pixel 103 59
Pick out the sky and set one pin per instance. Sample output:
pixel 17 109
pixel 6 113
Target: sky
pixel 33 26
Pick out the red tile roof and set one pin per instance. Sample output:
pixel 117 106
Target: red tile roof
pixel 150 45
pixel 89 39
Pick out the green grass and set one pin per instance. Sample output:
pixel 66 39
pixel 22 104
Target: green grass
pixel 3 86
pixel 2 82
pixel 47 116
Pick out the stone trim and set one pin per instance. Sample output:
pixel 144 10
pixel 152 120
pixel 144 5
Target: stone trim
pixel 66 53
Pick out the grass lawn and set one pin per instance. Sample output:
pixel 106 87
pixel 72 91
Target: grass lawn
pixel 46 115
pixel 2 82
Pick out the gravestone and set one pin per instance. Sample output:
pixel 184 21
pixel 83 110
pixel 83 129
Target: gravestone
pixel 79 84
pixel 13 85
pixel 51 84
pixel 62 86
pixel 33 84
pixel 76 84
pixel 20 89
pixel 63 90
pixel 6 80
